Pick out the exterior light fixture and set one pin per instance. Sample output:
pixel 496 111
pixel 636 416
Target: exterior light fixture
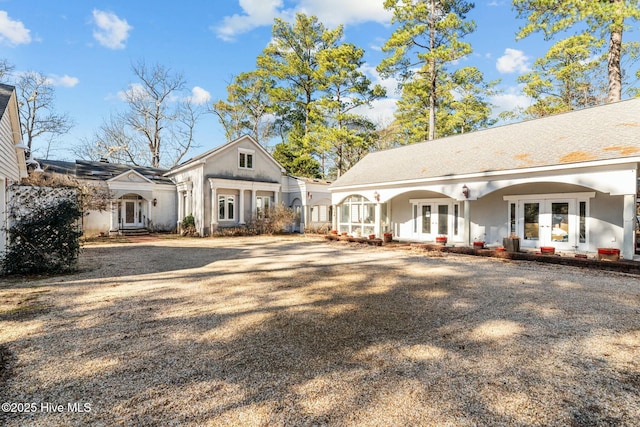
pixel 154 201
pixel 465 191
pixel 376 196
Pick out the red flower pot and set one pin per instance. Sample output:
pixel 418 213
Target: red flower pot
pixel 478 245
pixel 547 250
pixel 441 240
pixel 372 236
pixel 608 254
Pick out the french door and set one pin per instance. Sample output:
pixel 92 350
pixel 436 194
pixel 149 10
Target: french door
pixel 434 218
pixel 560 223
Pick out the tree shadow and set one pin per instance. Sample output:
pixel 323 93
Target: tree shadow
pixel 303 334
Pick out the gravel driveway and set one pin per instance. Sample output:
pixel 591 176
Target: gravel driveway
pixel 297 331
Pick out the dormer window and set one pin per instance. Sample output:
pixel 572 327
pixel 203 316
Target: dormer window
pixel 245 159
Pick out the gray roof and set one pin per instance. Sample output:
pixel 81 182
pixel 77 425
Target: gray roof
pixel 606 132
pixel 102 171
pixel 5 95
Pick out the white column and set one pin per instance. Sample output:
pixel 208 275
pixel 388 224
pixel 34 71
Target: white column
pixel 467 223
pixel 114 215
pixel 241 208
pixel 189 207
pixel 253 203
pixel 334 219
pixel 214 208
pixel 276 198
pixel 180 206
pixel 378 218
pixel 629 218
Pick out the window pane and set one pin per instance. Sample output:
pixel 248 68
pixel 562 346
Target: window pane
pixel 560 222
pixel 242 160
pixel 456 217
pixel 426 219
pixel 443 219
pixel 531 221
pixel 230 208
pixel 250 161
pixel 221 207
pixel 512 219
pixel 583 222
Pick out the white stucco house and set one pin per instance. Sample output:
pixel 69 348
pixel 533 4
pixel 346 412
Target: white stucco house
pixel 232 184
pixel 12 153
pixel 569 181
pixel 228 186
pixel 141 197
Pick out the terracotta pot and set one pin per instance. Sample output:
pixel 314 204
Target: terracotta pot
pixel 388 237
pixel 441 240
pixel 478 245
pixel 372 236
pixel 547 250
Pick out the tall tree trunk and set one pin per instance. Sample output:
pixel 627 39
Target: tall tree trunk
pixel 615 52
pixel 432 75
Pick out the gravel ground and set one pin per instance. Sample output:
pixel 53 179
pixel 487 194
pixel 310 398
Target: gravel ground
pixel 296 331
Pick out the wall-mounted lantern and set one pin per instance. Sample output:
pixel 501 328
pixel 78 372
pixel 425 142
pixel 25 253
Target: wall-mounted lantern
pixel 154 201
pixel 465 191
pixel 376 196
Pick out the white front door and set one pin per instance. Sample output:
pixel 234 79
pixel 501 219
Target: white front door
pixel 132 213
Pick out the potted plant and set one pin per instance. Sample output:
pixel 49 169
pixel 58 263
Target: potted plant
pixel 608 254
pixel 387 237
pixel 478 244
pixel 442 240
pixel 372 236
pixel 547 250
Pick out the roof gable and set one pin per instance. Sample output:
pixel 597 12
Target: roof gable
pixel 606 132
pixel 130 176
pixel 207 155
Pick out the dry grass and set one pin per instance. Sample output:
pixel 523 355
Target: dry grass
pixel 289 331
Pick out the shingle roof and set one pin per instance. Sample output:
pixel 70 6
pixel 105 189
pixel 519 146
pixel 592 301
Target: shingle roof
pixel 606 132
pixel 101 170
pixel 5 95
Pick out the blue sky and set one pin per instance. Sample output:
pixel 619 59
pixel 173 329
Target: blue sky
pixel 86 48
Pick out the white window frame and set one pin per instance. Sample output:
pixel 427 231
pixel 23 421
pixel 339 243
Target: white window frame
pixel 245 157
pixel 223 215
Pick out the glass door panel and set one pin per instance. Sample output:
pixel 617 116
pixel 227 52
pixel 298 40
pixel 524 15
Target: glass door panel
pixel 559 222
pixel 443 220
pixel 129 213
pixel 426 219
pixel 531 221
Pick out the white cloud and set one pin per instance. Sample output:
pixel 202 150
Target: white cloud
pixel 65 81
pixel 12 32
pixel 257 13
pixel 135 91
pixel 111 31
pixel 336 12
pixel 513 61
pixel 511 100
pixel 199 96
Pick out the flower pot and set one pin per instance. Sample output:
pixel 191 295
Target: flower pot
pixel 372 236
pixel 608 254
pixel 547 250
pixel 335 232
pixel 441 240
pixel 478 245
pixel 387 237
pixel 511 244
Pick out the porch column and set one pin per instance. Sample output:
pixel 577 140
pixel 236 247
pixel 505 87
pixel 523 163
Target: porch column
pixel 189 207
pixel 334 219
pixel 467 223
pixel 180 208
pixel 114 216
pixel 629 218
pixel 378 218
pixel 241 208
pixel 253 203
pixel 276 197
pixel 214 208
